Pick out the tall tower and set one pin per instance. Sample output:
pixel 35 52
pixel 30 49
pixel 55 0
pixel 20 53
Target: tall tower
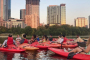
pixel 22 14
pixel 32 13
pixel 32 7
pixel 63 14
pixel 53 14
pixel 5 10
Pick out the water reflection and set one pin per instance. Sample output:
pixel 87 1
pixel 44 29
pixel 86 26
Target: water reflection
pixel 31 55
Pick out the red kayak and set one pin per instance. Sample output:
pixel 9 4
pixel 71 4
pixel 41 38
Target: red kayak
pixel 12 48
pixel 55 45
pixel 34 44
pixel 65 54
pixel 42 47
pixel 71 39
pixel 69 46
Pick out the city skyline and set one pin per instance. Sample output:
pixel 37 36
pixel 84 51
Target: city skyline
pixel 72 11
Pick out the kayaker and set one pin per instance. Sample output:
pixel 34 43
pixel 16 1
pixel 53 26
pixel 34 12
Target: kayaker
pixel 78 39
pixel 84 51
pixel 24 40
pixel 51 38
pixel 37 38
pixel 65 39
pixel 45 38
pixel 59 38
pixel 8 41
pixel 33 39
pixel 42 37
pixel 18 38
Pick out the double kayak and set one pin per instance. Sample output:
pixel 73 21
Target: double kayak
pixel 65 54
pixel 45 45
pixel 64 45
pixel 12 48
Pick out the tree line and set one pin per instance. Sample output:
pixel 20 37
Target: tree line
pixel 48 30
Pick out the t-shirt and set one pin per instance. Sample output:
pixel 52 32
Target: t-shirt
pixel 5 42
pixel 38 39
pixel 18 39
pixel 50 39
pixel 58 41
pixel 61 40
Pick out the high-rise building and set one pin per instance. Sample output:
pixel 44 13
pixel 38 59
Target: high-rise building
pixel 32 9
pixel 89 21
pixel 62 14
pixel 81 22
pixel 22 14
pixel 56 14
pixel 53 14
pixel 5 10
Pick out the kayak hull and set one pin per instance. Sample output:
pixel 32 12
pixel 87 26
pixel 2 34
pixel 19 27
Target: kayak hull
pixel 12 50
pixel 69 46
pixel 55 45
pixel 42 47
pixel 65 54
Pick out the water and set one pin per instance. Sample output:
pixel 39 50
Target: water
pixel 30 55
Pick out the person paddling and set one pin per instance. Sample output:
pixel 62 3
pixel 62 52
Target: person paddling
pixel 85 50
pixel 24 40
pixel 78 39
pixel 8 41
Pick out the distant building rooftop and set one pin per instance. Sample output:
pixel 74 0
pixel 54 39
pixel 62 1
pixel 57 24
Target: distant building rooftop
pixel 62 4
pixel 15 19
pixel 52 5
pixel 80 17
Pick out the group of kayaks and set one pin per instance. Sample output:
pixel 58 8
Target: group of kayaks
pixel 34 46
pixel 51 46
pixel 54 47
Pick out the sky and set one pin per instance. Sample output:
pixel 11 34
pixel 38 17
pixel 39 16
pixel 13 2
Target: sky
pixel 74 9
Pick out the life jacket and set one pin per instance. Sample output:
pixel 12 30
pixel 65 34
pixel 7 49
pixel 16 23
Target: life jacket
pixel 65 39
pixel 10 41
pixel 25 41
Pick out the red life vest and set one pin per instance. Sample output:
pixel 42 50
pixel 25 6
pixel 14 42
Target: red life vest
pixel 10 41
pixel 65 39
pixel 25 41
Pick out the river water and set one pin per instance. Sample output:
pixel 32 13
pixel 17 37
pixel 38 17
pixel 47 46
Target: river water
pixel 30 55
